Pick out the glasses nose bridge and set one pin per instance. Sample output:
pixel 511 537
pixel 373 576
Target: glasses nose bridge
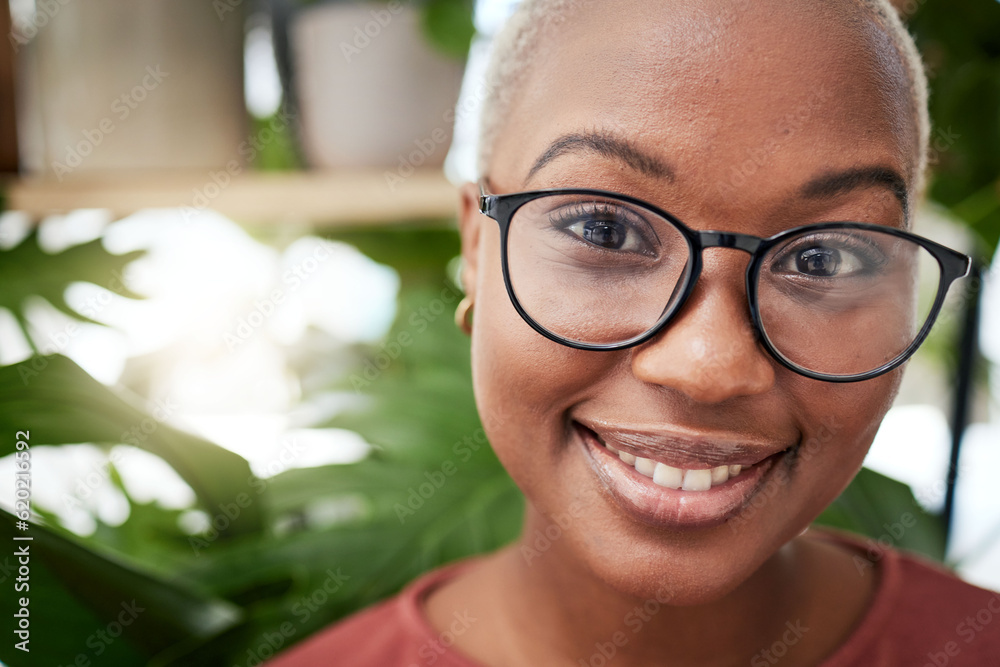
pixel 745 242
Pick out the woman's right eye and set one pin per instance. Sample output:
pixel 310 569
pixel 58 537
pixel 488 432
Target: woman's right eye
pixel 609 234
pixel 605 229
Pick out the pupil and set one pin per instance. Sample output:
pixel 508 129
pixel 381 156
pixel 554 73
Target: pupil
pixel 822 262
pixel 604 234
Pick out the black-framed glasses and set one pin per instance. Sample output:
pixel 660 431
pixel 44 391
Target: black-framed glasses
pixel 834 301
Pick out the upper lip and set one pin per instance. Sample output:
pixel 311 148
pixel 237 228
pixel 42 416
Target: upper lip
pixel 687 450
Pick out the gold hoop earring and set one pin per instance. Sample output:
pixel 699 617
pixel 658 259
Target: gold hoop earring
pixel 462 314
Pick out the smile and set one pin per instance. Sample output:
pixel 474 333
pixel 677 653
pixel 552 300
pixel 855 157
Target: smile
pixel 674 482
pixel 679 478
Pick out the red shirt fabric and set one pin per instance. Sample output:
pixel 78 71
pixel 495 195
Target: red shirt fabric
pixel 921 615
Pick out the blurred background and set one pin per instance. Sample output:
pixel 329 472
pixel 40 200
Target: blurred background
pixel 228 272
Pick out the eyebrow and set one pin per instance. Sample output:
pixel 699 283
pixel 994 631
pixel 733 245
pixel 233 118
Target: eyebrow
pixel 606 144
pixel 833 183
pixel 825 185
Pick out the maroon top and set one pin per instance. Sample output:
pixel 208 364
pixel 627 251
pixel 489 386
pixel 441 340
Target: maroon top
pixel 921 615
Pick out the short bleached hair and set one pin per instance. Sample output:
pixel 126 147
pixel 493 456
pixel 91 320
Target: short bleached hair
pixel 518 43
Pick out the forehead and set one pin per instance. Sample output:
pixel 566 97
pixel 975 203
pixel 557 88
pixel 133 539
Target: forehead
pixel 709 86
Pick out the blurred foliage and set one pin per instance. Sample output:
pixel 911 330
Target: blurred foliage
pixel 876 505
pixel 432 491
pixel 92 590
pixel 27 271
pixel 287 555
pixel 280 153
pixel 85 411
pixel 448 26
pixel 960 42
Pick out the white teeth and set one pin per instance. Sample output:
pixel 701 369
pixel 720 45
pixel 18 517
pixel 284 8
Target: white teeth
pixel 668 476
pixel 678 478
pixel 697 480
pixel 645 466
pixel 720 475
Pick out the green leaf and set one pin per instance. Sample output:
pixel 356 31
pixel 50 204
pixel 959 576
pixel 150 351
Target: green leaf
pixel 288 580
pixel 26 270
pixel 960 42
pixel 448 26
pixel 81 601
pixel 885 509
pixel 59 403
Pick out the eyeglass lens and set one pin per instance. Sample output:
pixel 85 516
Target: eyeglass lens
pixel 597 270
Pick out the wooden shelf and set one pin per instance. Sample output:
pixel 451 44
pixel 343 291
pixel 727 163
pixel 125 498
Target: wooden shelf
pixel 317 198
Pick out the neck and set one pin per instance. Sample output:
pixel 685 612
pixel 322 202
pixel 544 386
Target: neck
pixel 557 608
pixel 546 607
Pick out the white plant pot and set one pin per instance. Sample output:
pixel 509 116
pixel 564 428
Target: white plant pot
pixel 111 87
pixel 372 92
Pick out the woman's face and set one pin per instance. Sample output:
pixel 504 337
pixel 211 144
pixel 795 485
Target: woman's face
pixel 744 111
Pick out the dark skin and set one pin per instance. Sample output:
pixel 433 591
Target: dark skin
pixel 695 88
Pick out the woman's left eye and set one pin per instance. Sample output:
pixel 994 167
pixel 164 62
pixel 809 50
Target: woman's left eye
pixel 819 262
pixel 608 234
pixel 827 262
pixel 824 261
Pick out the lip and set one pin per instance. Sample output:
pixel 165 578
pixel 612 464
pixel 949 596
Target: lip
pixel 677 509
pixel 682 450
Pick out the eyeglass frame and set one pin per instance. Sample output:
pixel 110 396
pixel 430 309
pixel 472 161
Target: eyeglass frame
pixel 502 208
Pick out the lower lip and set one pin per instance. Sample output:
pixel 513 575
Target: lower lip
pixel 661 507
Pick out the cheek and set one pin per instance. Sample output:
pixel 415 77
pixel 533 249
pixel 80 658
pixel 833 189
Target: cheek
pixel 838 425
pixel 524 383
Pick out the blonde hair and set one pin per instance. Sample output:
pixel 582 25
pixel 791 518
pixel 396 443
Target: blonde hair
pixel 518 43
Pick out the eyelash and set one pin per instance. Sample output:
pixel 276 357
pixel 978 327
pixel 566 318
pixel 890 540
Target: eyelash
pixel 868 250
pixel 566 216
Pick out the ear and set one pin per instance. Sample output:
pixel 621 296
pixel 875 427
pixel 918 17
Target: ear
pixel 470 225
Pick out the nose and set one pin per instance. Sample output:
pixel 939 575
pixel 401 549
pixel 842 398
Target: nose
pixel 709 351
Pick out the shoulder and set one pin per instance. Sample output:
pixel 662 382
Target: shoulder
pixel 921 614
pixel 392 633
